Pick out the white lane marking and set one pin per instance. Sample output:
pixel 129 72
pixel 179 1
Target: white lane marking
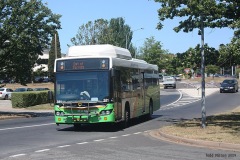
pixel 113 137
pixel 98 140
pixel 43 150
pixel 125 135
pixel 17 155
pixel 63 146
pixel 82 143
pixel 137 133
pixel 39 125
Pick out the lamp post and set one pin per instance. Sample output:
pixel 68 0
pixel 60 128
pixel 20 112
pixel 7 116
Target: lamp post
pixel 203 74
pixel 127 46
pixel 55 46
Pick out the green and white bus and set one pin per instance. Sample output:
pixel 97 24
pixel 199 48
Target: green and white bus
pixel 103 84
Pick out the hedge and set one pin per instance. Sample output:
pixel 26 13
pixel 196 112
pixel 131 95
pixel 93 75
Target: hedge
pixel 29 98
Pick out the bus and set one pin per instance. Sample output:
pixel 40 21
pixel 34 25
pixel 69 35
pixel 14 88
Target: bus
pixel 103 84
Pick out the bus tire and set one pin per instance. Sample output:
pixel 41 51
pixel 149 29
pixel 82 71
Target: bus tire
pixel 126 121
pixel 150 110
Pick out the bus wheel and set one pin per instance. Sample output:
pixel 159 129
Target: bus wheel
pixel 126 118
pixel 150 110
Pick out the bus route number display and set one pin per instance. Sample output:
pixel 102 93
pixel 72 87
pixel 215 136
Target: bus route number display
pixel 82 64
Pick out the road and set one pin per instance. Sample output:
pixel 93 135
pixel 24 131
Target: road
pixel 39 138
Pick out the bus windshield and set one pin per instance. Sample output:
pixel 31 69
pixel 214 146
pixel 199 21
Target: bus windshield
pixel 82 86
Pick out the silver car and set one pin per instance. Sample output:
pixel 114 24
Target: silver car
pixel 5 93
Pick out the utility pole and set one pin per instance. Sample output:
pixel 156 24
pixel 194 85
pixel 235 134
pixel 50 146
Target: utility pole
pixel 203 75
pixel 55 46
pixel 127 36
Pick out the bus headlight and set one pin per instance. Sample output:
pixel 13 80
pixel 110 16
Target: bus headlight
pixel 59 113
pixel 106 112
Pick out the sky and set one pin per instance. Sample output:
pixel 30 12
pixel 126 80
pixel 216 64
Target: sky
pixel 137 14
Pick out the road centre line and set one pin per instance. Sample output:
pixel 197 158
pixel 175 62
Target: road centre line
pixel 43 150
pixel 63 146
pixel 98 140
pixel 17 155
pixel 82 143
pixel 113 137
pixel 4 129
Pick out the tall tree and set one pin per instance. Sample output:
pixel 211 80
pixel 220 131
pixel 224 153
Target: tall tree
pixel 27 27
pixel 153 53
pixel 55 52
pixel 215 13
pixel 114 32
pixel 199 14
pixel 90 33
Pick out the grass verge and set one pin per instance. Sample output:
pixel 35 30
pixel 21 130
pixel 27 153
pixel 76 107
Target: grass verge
pixel 223 127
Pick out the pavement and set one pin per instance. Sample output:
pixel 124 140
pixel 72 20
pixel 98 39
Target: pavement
pixel 6 107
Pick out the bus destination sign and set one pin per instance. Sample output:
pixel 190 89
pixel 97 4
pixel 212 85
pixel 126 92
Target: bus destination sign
pixel 82 64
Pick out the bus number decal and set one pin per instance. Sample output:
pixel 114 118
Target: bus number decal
pixel 78 65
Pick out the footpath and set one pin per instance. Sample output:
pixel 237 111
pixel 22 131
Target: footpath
pixel 6 108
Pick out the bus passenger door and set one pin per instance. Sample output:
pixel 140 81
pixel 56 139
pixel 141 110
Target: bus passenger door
pixel 117 95
pixel 143 93
pixel 140 93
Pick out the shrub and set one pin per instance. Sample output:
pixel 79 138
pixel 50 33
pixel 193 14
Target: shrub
pixel 28 99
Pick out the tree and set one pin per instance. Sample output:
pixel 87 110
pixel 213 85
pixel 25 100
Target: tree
pixel 53 54
pixel 153 53
pixel 212 69
pixel 101 31
pixel 200 14
pixel 215 13
pixel 90 33
pixel 27 26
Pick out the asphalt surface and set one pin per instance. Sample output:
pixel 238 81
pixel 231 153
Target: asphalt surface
pixel 5 107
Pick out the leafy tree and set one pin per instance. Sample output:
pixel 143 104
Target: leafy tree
pixel 91 33
pixel 27 27
pixel 192 57
pixel 153 53
pixel 212 69
pixel 215 13
pixel 114 32
pixel 53 54
pixel 200 14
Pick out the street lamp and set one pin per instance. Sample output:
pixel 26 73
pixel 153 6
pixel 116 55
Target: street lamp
pixel 203 73
pixel 55 45
pixel 127 46
pixel 137 49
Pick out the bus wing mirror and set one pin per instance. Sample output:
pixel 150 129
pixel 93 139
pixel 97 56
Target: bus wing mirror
pixel 113 72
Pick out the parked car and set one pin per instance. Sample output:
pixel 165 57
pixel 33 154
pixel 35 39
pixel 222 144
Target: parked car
pixel 38 79
pixel 5 93
pixel 229 85
pixel 177 78
pixel 45 80
pixel 24 89
pixel 41 89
